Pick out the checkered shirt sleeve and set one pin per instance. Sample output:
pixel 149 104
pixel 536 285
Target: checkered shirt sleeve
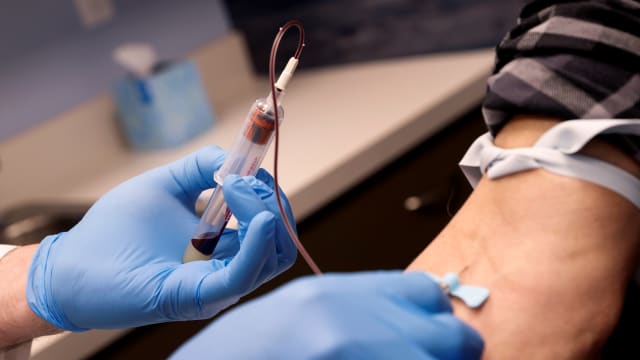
pixel 569 59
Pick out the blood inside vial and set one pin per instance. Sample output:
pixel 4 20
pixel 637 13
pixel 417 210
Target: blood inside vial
pixel 206 242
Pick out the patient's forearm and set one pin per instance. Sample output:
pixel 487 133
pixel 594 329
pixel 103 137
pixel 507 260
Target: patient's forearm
pixel 555 251
pixel 17 322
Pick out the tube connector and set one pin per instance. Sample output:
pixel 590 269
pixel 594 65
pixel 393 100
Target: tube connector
pixel 286 74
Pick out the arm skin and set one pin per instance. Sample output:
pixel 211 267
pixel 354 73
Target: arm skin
pixel 17 322
pixel 556 252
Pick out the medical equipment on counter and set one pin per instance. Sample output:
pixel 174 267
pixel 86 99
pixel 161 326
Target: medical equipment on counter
pixel 161 104
pixel 246 155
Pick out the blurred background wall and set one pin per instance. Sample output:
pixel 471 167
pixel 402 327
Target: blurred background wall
pixel 50 60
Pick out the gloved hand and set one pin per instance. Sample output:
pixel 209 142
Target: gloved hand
pixel 371 315
pixel 121 266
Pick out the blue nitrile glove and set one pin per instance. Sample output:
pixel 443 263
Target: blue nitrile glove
pixel 121 266
pixel 370 315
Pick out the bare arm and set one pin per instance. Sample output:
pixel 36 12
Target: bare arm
pixel 557 253
pixel 17 322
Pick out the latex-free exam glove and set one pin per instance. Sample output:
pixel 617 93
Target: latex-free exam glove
pixel 371 315
pixel 121 266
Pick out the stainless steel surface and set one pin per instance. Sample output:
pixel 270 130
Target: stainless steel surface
pixel 30 223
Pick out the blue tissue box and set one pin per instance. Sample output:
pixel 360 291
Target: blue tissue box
pixel 164 110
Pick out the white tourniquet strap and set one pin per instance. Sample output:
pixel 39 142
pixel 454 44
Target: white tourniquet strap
pixel 556 151
pixel 4 249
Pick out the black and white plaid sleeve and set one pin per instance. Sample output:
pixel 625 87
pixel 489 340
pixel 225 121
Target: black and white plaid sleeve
pixel 570 60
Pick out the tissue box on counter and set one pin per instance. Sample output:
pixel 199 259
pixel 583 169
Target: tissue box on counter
pixel 164 109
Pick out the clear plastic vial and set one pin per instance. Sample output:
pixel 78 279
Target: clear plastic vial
pixel 244 159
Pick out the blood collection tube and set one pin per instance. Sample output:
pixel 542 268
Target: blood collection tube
pixel 260 126
pixel 244 159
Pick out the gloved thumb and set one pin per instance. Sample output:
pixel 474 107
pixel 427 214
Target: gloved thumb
pixel 461 343
pixel 188 177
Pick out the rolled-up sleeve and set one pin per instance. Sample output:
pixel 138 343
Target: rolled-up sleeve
pixel 4 249
pixel 569 60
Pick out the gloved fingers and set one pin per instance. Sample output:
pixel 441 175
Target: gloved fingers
pixel 264 176
pixel 286 249
pixel 413 288
pixel 271 267
pixel 188 177
pixel 446 337
pixel 244 198
pixel 228 245
pixel 421 290
pixel 241 274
